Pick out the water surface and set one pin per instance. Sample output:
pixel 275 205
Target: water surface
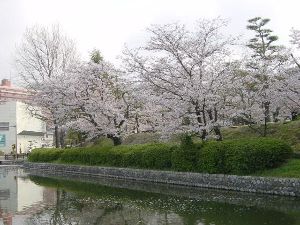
pixel 37 199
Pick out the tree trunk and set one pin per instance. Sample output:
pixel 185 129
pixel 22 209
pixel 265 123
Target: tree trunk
pixel 265 128
pixel 62 138
pixel 56 136
pixel 204 134
pixel 137 124
pixel 294 115
pixel 267 117
pixel 200 122
pixel 217 131
pixel 116 139
pixel 214 117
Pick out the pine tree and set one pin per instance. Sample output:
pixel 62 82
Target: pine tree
pixel 263 42
pixel 264 61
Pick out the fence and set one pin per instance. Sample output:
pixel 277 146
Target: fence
pixel 15 156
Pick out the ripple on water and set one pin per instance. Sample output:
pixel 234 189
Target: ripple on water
pixel 39 200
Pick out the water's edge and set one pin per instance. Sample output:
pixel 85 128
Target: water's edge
pixel 263 185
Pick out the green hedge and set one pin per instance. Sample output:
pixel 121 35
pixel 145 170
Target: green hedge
pixel 185 157
pixel 227 157
pixel 242 156
pixel 45 155
pixel 152 156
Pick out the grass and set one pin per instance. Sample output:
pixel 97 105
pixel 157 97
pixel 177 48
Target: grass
pixel 288 132
pixel 141 138
pixel 289 169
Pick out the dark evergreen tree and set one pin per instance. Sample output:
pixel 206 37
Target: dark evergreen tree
pixel 263 44
pixel 265 61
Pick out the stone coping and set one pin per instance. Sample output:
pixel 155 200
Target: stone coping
pixel 265 185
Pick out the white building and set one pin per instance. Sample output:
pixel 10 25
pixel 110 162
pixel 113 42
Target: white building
pixel 17 126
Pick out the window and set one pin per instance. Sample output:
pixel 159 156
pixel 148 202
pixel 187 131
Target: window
pixel 4 125
pixel 2 140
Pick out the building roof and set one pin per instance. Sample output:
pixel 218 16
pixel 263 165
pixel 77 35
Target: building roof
pixel 31 133
pixel 7 92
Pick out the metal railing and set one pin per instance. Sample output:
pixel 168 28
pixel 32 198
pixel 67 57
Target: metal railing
pixel 16 156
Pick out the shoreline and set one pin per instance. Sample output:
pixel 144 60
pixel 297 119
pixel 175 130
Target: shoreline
pixel 262 185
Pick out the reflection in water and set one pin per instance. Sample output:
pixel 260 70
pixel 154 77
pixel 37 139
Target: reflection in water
pixel 19 197
pixel 34 200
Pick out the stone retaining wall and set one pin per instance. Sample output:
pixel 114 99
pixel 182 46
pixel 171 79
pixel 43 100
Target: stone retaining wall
pixel 276 186
pixel 11 162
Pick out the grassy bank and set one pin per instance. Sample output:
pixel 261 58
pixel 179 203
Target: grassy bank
pixel 291 169
pixel 288 132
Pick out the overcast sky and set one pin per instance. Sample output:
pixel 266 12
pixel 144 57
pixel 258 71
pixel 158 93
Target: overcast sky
pixel 108 25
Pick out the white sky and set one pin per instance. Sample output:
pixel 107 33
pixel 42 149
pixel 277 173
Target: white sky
pixel 108 25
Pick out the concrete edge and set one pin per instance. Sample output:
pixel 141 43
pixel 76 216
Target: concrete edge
pixel 264 185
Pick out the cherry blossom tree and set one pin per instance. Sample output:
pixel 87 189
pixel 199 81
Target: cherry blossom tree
pixel 295 41
pixel 43 58
pixel 289 92
pixel 181 80
pixel 245 99
pixel 186 72
pixel 293 76
pixel 96 101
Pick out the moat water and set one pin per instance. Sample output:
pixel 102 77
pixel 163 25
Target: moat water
pixel 38 199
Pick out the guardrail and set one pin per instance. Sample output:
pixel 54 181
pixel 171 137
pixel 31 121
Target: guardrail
pixel 16 156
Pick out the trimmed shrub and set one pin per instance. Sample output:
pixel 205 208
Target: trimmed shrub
pixel 185 157
pixel 87 156
pixel 45 155
pixel 152 156
pixel 227 157
pixel 242 156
